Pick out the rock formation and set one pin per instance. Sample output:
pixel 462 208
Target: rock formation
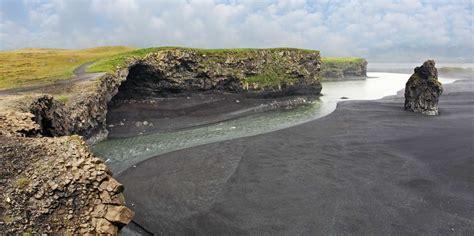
pixel 423 89
pixel 341 69
pixel 54 185
pixel 176 72
pixel 260 72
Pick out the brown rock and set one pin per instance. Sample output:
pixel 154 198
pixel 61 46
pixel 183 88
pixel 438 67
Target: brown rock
pixel 105 197
pixel 99 210
pixel 119 214
pixel 114 187
pixel 104 226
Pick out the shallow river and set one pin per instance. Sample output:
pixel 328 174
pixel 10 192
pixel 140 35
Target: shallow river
pixel 125 152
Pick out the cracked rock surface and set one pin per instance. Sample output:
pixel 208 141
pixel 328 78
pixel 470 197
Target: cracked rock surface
pixel 55 185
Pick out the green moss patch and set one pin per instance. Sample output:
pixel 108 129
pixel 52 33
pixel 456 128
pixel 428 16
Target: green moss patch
pixel 110 64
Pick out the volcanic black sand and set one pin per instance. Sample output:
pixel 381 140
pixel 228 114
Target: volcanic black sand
pixel 369 168
pixel 176 113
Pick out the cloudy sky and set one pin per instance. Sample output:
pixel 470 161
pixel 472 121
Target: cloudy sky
pixel 381 30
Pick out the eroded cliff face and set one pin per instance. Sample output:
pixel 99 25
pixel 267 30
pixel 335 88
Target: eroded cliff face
pixel 259 72
pixel 84 115
pixel 178 72
pixel 344 70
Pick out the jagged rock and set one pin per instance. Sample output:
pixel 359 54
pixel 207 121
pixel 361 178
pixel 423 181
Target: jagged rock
pixel 114 186
pixel 119 214
pixel 33 184
pixel 423 89
pixel 51 116
pixel 18 124
pixel 104 226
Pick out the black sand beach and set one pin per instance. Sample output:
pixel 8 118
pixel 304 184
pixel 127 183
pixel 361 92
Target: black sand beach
pixel 369 168
pixel 170 114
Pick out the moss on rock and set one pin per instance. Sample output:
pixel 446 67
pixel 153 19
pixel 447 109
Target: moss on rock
pixel 342 68
pixel 264 71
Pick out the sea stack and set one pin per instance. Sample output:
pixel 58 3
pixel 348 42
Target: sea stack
pixel 423 89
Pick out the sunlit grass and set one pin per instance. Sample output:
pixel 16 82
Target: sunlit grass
pixel 338 60
pixel 33 66
pixel 109 64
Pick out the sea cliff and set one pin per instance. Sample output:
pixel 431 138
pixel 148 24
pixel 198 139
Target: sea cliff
pixel 36 129
pixel 343 68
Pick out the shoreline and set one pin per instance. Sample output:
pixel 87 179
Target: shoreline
pixel 122 153
pixel 286 160
pixel 130 119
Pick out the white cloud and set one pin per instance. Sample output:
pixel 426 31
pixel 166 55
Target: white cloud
pixel 355 27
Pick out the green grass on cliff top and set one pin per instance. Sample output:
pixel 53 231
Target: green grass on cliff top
pixel 341 60
pixel 111 63
pixel 34 66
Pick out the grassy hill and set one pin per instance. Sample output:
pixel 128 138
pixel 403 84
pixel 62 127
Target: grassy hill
pixel 32 66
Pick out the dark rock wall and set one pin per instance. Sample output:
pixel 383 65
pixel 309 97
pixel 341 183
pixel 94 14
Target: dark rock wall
pixel 177 72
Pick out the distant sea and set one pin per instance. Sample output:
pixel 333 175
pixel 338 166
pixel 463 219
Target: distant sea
pixel 408 67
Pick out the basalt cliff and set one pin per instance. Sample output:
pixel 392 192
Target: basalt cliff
pixel 50 181
pixel 333 69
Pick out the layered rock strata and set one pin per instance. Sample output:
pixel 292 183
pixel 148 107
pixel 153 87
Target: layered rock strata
pixel 259 72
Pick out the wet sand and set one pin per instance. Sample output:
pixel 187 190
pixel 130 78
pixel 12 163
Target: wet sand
pixel 368 168
pixel 176 113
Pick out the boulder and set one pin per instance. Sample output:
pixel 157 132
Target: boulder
pixel 423 89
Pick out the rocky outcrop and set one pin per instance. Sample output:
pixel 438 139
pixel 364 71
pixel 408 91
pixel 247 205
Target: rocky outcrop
pixel 85 113
pixel 18 124
pixel 51 116
pixel 423 89
pixel 177 72
pixel 54 185
pixel 260 72
pixel 343 69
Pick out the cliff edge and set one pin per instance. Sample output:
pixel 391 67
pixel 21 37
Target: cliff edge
pixel 342 68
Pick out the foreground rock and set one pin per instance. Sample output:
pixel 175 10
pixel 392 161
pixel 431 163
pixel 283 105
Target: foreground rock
pixel 54 185
pixel 423 89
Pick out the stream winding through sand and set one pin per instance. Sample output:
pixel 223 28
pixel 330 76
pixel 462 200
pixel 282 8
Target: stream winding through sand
pixel 125 152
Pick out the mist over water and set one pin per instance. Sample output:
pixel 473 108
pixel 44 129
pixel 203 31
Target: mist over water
pixel 125 152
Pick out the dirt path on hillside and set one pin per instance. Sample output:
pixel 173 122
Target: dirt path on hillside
pixel 60 86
